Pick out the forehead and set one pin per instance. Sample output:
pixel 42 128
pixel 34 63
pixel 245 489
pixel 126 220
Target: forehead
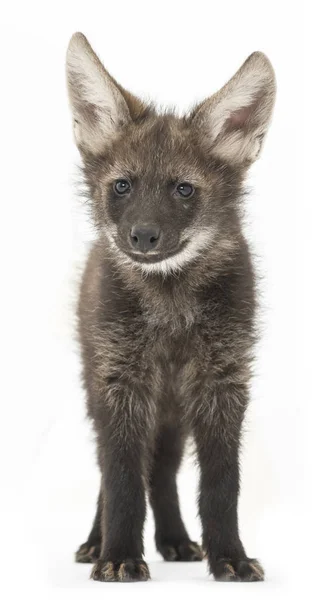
pixel 161 147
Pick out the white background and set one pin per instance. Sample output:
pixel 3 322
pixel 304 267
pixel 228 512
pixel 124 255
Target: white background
pixel 175 53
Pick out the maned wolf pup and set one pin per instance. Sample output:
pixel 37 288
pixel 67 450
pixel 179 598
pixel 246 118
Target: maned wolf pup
pixel 166 311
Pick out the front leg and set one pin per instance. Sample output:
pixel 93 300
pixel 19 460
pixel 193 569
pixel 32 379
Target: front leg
pixel 217 428
pixel 124 422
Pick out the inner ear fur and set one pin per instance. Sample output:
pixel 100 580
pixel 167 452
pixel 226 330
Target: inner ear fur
pixel 233 123
pixel 99 104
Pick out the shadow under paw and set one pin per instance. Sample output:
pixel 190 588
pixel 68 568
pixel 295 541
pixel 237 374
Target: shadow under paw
pixel 248 569
pixel 131 569
pixel 185 551
pixel 87 553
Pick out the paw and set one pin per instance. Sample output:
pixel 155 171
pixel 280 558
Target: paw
pixel 131 569
pixel 87 553
pixel 184 551
pixel 247 569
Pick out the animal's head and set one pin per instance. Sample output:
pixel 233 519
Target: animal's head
pixel 165 189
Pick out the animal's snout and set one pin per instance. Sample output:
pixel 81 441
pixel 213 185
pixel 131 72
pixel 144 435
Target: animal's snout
pixel 145 237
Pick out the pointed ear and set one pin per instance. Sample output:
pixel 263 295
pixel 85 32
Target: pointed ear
pixel 98 105
pixel 234 122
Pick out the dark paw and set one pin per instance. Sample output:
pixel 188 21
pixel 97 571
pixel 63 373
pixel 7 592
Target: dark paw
pixel 248 569
pixel 87 553
pixel 184 551
pixel 131 569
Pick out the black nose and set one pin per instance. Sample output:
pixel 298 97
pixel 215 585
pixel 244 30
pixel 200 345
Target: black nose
pixel 144 237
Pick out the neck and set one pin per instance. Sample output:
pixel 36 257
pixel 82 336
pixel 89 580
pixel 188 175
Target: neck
pixel 175 295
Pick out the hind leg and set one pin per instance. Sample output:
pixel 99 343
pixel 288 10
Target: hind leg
pixel 172 540
pixel 89 552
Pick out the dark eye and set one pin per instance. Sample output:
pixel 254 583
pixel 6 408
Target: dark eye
pixel 122 186
pixel 185 190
